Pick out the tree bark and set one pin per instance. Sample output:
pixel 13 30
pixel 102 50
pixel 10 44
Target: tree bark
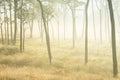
pixel 7 31
pixel 74 31
pixel 46 31
pixel 2 34
pixel 15 21
pixel 113 36
pixel 64 23
pixel 100 26
pixel 31 28
pixel 23 38
pixel 21 29
pixel 11 32
pixel 93 20
pixel 5 20
pixel 86 32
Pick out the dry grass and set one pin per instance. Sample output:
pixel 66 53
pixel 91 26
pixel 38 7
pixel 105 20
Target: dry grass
pixel 68 63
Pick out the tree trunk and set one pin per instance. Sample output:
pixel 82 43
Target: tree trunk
pixel 86 32
pixel 73 18
pixel 52 30
pixel 39 27
pixel 105 25
pixel 42 31
pixel 5 22
pixel 113 36
pixel 2 34
pixel 7 32
pixel 46 31
pixel 59 32
pixel 23 38
pixel 93 20
pixel 83 26
pixel 100 12
pixel 21 30
pixel 100 26
pixel 15 21
pixel 64 24
pixel 31 28
pixel 10 6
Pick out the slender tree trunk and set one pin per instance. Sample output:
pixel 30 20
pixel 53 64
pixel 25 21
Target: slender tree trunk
pixel 39 27
pixel 93 20
pixel 100 26
pixel 5 22
pixel 46 31
pixel 86 32
pixel 31 29
pixel 10 6
pixel 23 37
pixel 21 30
pixel 64 24
pixel 52 31
pixel 7 32
pixel 109 38
pixel 59 32
pixel 2 34
pixel 73 18
pixel 100 12
pixel 42 31
pixel 113 36
pixel 105 25
pixel 83 29
pixel 15 21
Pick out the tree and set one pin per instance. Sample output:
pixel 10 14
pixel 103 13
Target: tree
pixel 113 36
pixel 11 29
pixel 86 32
pixel 21 28
pixel 100 13
pixel 2 33
pixel 73 4
pixel 93 20
pixel 15 20
pixel 31 20
pixel 46 31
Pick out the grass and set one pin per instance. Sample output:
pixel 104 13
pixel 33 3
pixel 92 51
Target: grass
pixel 68 63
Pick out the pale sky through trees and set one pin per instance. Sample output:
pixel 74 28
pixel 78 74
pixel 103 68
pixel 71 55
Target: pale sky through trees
pixel 79 22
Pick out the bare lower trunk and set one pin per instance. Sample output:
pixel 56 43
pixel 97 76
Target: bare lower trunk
pixel 86 32
pixel 46 31
pixel 15 21
pixel 73 17
pixel 11 32
pixel 7 33
pixel 2 34
pixel 100 26
pixel 93 20
pixel 21 30
pixel 113 36
pixel 23 38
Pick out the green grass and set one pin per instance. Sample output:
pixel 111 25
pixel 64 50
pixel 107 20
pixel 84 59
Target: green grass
pixel 67 63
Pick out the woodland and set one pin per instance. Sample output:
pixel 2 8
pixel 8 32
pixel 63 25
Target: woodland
pixel 59 40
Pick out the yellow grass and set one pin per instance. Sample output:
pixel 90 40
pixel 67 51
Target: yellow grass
pixel 68 63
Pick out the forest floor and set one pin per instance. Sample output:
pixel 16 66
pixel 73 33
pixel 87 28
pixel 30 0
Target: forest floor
pixel 67 63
